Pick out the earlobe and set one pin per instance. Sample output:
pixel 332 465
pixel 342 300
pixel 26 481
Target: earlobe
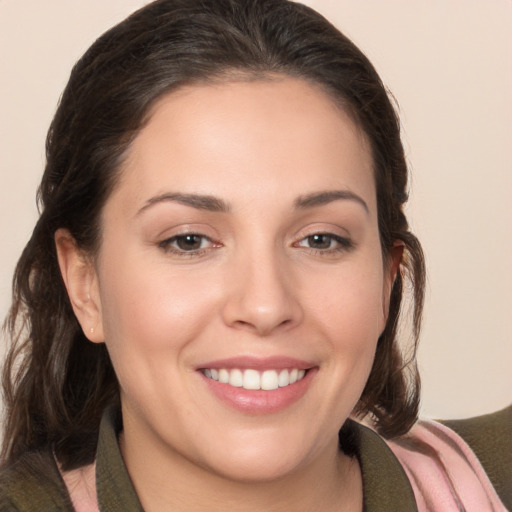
pixel 81 281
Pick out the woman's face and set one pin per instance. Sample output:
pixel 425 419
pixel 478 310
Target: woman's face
pixel 241 244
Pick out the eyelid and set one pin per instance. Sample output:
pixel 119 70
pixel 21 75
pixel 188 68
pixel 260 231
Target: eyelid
pixel 344 241
pixel 340 239
pixel 167 244
pixel 177 237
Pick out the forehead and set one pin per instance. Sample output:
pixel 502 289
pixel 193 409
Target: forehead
pixel 267 136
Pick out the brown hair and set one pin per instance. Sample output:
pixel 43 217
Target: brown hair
pixel 56 383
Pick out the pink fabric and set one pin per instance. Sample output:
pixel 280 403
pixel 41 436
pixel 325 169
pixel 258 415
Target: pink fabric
pixel 81 485
pixel 444 472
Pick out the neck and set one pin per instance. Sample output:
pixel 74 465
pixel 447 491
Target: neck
pixel 332 481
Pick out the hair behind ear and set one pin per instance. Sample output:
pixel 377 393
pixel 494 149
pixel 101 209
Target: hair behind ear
pixel 56 382
pixel 392 393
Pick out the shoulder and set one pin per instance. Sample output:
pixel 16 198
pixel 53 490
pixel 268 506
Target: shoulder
pixel 33 483
pixel 490 438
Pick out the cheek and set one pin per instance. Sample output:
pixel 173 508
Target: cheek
pixel 345 320
pixel 349 312
pixel 351 300
pixel 147 308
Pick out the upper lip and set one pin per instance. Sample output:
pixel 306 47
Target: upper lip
pixel 257 363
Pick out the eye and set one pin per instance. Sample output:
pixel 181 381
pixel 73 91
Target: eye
pixel 325 242
pixel 187 243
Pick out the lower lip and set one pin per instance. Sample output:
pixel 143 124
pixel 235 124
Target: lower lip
pixel 259 401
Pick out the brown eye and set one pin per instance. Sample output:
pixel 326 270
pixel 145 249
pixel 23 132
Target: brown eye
pixel 325 243
pixel 187 243
pixel 320 241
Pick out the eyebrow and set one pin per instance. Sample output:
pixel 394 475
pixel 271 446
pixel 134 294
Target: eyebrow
pixel 215 204
pixel 322 198
pixel 201 202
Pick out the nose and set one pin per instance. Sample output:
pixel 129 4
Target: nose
pixel 263 296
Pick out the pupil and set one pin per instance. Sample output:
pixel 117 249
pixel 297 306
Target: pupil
pixel 189 242
pixel 320 241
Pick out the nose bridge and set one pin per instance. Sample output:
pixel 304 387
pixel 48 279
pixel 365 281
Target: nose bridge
pixel 263 296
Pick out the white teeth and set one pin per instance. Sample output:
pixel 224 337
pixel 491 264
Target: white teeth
pixel 223 376
pixel 253 379
pixel 236 378
pixel 269 380
pixel 284 378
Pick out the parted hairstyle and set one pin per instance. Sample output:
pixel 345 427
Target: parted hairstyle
pixel 56 383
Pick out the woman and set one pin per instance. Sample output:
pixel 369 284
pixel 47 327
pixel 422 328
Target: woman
pixel 212 291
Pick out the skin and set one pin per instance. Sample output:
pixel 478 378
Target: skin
pixel 258 285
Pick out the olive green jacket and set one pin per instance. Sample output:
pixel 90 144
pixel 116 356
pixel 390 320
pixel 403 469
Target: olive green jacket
pixel 34 484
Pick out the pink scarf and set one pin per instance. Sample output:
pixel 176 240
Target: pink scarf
pixel 444 472
pixel 81 485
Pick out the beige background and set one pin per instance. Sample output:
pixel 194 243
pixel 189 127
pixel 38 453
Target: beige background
pixel 449 63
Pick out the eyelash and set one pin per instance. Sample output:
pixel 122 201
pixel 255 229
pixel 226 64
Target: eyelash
pixel 342 244
pixel 167 245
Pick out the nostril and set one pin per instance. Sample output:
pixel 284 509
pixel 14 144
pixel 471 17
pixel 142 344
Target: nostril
pixel 260 301
pixel 261 327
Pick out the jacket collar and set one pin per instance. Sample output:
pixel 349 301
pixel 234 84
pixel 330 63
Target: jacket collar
pixel 385 485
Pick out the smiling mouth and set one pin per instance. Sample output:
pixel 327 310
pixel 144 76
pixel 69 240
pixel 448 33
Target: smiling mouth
pixel 250 379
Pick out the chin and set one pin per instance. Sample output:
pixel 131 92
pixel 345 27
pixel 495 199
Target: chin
pixel 264 456
pixel 258 469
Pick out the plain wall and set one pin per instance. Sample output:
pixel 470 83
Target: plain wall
pixel 449 64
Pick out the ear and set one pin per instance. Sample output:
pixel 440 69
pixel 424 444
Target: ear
pixel 392 266
pixel 394 260
pixel 81 281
